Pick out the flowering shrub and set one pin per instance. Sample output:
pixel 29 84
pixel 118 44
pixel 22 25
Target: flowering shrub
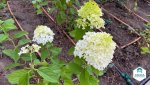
pixel 37 4
pixel 96 48
pixel 43 35
pixel 90 14
pixel 40 56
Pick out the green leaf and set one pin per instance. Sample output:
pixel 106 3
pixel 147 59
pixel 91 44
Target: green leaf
pixel 36 62
pixel 23 42
pixel 3 38
pixel 68 81
pixel 77 33
pixel 97 72
pixel 74 68
pixel 12 65
pixel 8 25
pixel 51 10
pixel 72 33
pixel 15 76
pixel 61 17
pixel 20 34
pixel 55 51
pixel 71 50
pixel 39 11
pixel 93 81
pixel 1 21
pixel 48 74
pixel 84 78
pixel 44 54
pixel 145 50
pixel 13 54
pixel 24 80
pixel 44 3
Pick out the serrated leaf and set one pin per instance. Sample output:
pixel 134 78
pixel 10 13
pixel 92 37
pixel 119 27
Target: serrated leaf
pixel 93 81
pixel 13 54
pixel 44 54
pixel 24 80
pixel 84 78
pixel 3 38
pixel 55 51
pixel 74 68
pixel 48 74
pixel 68 81
pixel 23 42
pixel 8 25
pixel 20 34
pixel 15 76
pixel 12 65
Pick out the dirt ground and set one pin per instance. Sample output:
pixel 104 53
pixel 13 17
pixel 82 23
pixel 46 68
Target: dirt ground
pixel 126 59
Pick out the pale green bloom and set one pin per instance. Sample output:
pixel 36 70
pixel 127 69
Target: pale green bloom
pixel 96 48
pixel 90 14
pixel 90 8
pixel 96 22
pixel 81 23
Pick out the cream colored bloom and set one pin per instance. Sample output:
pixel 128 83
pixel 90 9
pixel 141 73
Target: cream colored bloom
pixel 67 1
pixel 34 48
pixel 24 50
pixel 29 49
pixel 43 34
pixel 96 48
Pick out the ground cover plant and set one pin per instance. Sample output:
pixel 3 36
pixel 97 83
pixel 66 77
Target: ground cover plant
pixel 73 42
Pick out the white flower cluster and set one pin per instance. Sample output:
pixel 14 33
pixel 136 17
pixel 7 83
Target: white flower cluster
pixel 29 49
pixel 67 1
pixel 43 34
pixel 96 48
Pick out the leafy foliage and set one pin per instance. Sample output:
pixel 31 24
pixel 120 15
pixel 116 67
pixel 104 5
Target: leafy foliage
pixel 146 36
pixel 65 10
pixel 44 64
pixel 2 4
pixel 38 4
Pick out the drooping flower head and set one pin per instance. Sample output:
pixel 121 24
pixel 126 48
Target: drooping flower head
pixel 43 34
pixel 90 14
pixel 29 49
pixel 96 48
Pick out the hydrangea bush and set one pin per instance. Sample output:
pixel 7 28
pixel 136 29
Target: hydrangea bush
pixel 39 58
pixel 96 48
